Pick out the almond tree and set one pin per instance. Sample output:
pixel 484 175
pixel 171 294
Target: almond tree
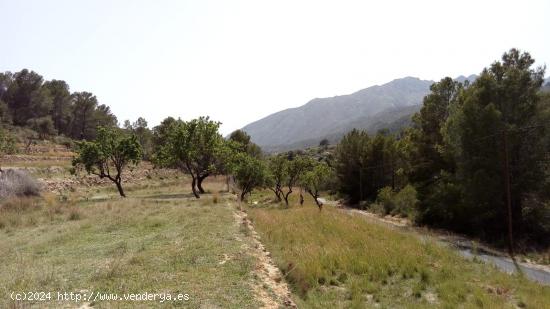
pixel 317 179
pixel 193 148
pixel 108 155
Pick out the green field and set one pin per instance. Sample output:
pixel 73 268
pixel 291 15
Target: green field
pixel 336 260
pixel 159 241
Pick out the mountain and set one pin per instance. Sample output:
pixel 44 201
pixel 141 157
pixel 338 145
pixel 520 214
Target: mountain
pixel 388 106
pixel 322 117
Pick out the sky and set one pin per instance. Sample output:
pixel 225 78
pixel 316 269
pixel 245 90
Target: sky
pixel 239 61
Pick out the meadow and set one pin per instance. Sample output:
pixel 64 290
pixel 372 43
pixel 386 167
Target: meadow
pixel 333 259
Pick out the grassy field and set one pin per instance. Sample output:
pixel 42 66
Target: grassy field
pixel 161 240
pixel 158 241
pixel 336 260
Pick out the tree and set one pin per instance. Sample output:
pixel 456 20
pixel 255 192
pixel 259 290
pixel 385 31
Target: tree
pixel 26 97
pixel 366 164
pixel 277 174
pixel 317 179
pixel 349 164
pixel 43 126
pixel 7 144
pixel 243 139
pixel 499 143
pixel 108 155
pixel 324 143
pixel 59 92
pixel 432 160
pixel 83 106
pixel 294 169
pixel 249 173
pixel 5 81
pixel 192 147
pixel 144 135
pixel 87 115
pixel 160 132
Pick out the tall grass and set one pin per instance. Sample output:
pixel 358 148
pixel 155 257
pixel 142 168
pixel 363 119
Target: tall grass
pixel 333 259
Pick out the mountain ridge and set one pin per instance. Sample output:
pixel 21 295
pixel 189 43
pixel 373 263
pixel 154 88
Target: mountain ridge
pixel 332 117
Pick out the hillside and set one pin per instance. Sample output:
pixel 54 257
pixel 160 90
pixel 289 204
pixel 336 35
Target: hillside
pixel 371 108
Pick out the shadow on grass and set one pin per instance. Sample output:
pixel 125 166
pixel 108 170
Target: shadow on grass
pixel 168 196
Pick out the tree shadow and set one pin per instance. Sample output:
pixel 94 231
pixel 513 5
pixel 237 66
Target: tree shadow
pixel 169 196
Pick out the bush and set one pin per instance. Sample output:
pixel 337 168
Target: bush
pixel 18 183
pixel 401 203
pixel 405 202
pixel 385 199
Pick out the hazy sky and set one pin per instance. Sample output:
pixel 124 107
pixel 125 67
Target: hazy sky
pixel 238 61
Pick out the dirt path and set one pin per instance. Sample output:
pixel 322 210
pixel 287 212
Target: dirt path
pixel 274 291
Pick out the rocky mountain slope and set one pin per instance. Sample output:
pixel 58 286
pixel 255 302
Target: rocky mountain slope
pixel 385 106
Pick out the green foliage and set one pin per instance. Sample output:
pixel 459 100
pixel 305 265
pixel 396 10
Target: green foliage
pixel 501 105
pixel 7 144
pixel 385 199
pixel 316 179
pixel 43 126
pixel 244 144
pixel 160 132
pixel 457 149
pixel 49 107
pixel 277 174
pixel 144 135
pixel 294 170
pixel 194 148
pixel 364 165
pixel 108 155
pixel 249 173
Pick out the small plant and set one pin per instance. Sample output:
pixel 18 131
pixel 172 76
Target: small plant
pixel 74 215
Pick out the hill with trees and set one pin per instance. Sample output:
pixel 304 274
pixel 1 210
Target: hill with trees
pixel 386 106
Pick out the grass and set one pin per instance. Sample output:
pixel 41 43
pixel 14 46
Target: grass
pixel 336 260
pixel 167 243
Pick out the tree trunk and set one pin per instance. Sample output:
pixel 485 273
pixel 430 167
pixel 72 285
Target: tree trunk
pixel 199 183
pixel 286 196
pixel 277 192
pixel 301 198
pixel 119 187
pixel 243 194
pixel 227 182
pixel 193 186
pixel 315 196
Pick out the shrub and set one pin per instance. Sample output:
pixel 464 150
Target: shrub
pixel 18 183
pixel 401 203
pixel 405 201
pixel 385 199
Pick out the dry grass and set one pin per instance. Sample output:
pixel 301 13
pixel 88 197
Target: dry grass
pixel 159 240
pixel 335 260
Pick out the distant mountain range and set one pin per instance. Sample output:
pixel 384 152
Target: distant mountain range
pixel 387 106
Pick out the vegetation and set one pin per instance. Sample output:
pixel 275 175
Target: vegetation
pixel 277 175
pixel 192 147
pixel 154 241
pixel 476 156
pixel 249 173
pixel 49 108
pixel 317 179
pixel 7 144
pixel 108 155
pixel 337 260
pixel 474 161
